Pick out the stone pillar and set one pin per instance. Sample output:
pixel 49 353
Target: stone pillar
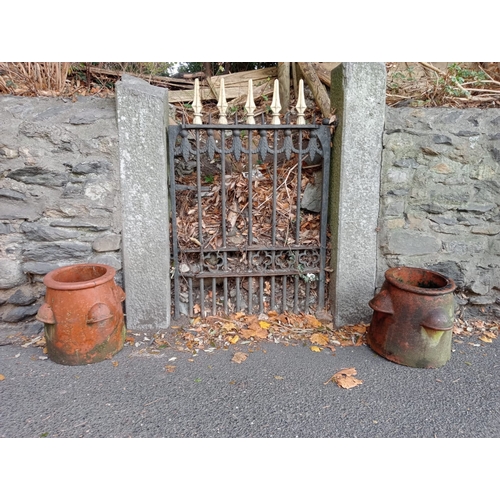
pixel 142 115
pixel 358 96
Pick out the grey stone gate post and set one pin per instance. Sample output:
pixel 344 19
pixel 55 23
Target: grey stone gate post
pixel 358 96
pixel 142 115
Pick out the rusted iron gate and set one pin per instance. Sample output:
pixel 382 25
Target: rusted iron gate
pixel 224 274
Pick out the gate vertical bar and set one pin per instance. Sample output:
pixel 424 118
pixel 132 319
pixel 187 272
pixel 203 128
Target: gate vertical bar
pixel 324 137
pixel 172 133
pixel 224 215
pixel 250 220
pixel 200 221
pixel 273 219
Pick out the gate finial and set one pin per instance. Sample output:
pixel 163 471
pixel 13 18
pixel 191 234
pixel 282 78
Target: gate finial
pixel 250 104
pixel 275 105
pixel 197 103
pixel 301 105
pixel 222 104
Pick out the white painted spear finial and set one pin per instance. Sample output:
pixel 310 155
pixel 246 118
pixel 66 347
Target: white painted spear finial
pixel 250 104
pixel 222 104
pixel 197 103
pixel 301 105
pixel 276 105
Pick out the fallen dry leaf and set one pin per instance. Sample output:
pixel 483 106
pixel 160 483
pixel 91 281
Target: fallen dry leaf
pixel 257 332
pixel 345 378
pixel 41 343
pixel 114 363
pixel 319 338
pixel 490 335
pixel 229 327
pixel 239 357
pixel 313 322
pixel 170 368
pixel 234 339
pixel 264 324
pixel 347 372
pixel 2 377
pixel 315 348
pixel 484 338
pixel 360 328
pixel 246 334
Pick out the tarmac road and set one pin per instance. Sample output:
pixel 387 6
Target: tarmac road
pixel 277 392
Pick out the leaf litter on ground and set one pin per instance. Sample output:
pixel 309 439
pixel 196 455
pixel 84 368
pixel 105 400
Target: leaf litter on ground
pixel 245 331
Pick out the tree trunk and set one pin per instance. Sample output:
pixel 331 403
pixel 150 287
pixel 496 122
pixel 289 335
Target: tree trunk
pixel 207 67
pixel 317 88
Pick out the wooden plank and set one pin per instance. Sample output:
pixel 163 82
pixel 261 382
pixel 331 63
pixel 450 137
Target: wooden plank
pixel 236 86
pixel 284 79
pixel 317 88
pixel 324 71
pixel 148 78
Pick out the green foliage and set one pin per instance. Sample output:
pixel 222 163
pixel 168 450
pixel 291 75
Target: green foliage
pixel 401 78
pixel 461 75
pixel 458 76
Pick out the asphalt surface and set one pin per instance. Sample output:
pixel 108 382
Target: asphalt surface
pixel 277 392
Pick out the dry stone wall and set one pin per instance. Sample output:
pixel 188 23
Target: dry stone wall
pixel 440 199
pixel 59 196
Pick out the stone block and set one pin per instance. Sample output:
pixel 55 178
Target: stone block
pixel 107 243
pixel 477 207
pixel 142 117
pixel 92 167
pixel 11 274
pixel 38 175
pixel 40 268
pixel 109 260
pixel 398 176
pixel 49 252
pixel 18 210
pixel 451 270
pixel 22 297
pixel 311 199
pixel 8 153
pixel 406 242
pixel 481 300
pixel 467 246
pixel 490 229
pixel 394 208
pixel 11 194
pixel 358 95
pixel 40 232
pixel 5 228
pixel 21 313
pixel 406 163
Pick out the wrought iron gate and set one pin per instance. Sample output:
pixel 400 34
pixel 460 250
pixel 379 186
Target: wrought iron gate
pixel 240 239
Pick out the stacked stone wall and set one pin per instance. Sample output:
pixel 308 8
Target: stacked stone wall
pixel 440 199
pixel 59 196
